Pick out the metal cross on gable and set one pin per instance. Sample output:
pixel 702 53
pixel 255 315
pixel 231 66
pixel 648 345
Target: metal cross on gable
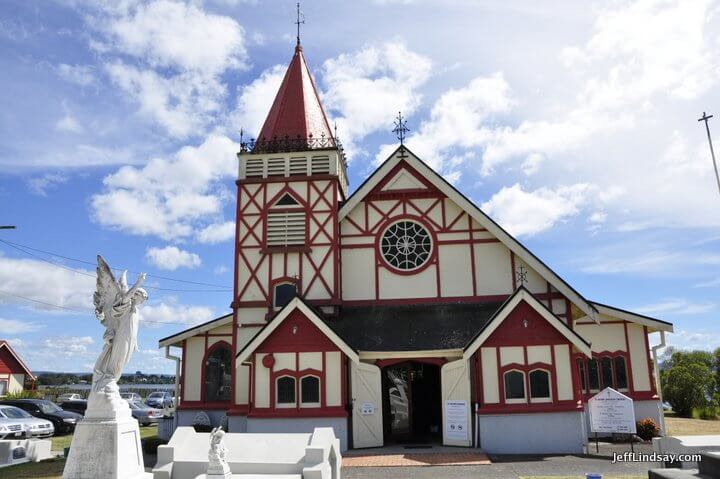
pixel 521 276
pixel 400 127
pixel 300 21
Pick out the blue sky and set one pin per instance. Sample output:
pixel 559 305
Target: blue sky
pixel 571 123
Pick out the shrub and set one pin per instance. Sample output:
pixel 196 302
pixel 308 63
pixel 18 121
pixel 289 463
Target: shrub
pixel 647 429
pixel 688 385
pixel 708 412
pixel 24 394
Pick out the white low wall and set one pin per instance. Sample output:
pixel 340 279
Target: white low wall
pixel 536 433
pixel 303 424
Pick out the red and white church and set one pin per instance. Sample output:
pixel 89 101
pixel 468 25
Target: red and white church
pixel 398 313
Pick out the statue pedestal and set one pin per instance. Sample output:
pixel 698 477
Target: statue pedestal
pixel 106 448
pixel 218 471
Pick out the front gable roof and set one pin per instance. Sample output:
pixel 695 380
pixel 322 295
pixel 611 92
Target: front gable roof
pixel 6 346
pixel 295 304
pixel 195 330
pixel 520 295
pixel 403 154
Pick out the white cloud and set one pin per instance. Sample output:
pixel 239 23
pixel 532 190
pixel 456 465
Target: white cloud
pixel 15 326
pixel 526 213
pixel 171 258
pixel 366 88
pixel 169 313
pixel 686 339
pixel 676 306
pixel 168 198
pixel 40 281
pixel 217 233
pixel 708 284
pixel 83 75
pixel 220 269
pixel 41 184
pixel 68 346
pixel 255 100
pixel 69 124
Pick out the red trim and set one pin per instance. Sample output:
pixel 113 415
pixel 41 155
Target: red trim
pixel 194 405
pixel 12 354
pixel 240 410
pixel 203 370
pixel 380 260
pixel 523 408
pixel 335 411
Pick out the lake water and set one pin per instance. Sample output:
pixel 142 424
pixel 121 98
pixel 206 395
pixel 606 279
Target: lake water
pixel 123 387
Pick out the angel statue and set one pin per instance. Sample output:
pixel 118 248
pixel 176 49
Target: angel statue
pixel 217 455
pixel 116 308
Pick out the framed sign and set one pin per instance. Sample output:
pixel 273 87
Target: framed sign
pixel 456 420
pixel 611 412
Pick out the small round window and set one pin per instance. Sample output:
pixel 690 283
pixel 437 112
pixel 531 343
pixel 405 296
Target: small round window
pixel 406 245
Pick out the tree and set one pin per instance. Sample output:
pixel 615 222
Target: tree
pixel 689 383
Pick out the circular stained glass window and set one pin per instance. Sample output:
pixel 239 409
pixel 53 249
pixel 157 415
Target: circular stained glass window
pixel 406 245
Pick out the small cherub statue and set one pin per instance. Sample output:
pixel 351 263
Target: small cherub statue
pixel 218 466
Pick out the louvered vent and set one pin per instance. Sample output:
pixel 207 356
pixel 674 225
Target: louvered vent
pixel 298 166
pixel 320 165
pixel 276 167
pixel 254 167
pixel 286 228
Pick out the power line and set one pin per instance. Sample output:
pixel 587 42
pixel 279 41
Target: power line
pixel 28 250
pixel 76 310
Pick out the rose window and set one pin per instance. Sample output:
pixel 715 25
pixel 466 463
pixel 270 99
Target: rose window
pixel 406 245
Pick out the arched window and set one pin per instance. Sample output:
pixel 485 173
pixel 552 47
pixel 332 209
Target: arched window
pixel 621 378
pixel 607 374
pixel 514 386
pixel 593 375
pixel 310 390
pixel 539 384
pixel 285 390
pixel 283 294
pixel 218 374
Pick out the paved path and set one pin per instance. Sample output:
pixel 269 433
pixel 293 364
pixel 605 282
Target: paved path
pixel 508 467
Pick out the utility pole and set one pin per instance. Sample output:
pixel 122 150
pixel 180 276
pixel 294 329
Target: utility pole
pixel 705 118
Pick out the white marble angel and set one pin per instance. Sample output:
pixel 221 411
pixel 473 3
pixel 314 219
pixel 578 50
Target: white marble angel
pixel 116 308
pixel 217 455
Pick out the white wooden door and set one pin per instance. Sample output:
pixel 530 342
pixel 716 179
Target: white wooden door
pixel 367 413
pixel 457 421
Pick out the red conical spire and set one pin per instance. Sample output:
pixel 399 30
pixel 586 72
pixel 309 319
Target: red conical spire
pixel 296 111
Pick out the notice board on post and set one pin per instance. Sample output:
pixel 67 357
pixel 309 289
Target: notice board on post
pixel 611 412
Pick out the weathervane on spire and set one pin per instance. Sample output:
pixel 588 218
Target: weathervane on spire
pixel 300 20
pixel 400 128
pixel 705 118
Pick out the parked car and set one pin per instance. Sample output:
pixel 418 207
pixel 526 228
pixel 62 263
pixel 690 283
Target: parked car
pixel 76 405
pixel 145 415
pixel 11 429
pixel 69 397
pixel 159 399
pixel 64 421
pixel 131 396
pixel 34 426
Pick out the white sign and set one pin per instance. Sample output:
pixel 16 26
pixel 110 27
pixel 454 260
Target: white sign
pixel 456 420
pixel 367 409
pixel 611 412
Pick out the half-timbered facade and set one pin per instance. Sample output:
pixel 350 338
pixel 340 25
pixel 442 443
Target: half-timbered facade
pixel 398 313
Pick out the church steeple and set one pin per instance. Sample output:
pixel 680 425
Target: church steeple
pixel 296 116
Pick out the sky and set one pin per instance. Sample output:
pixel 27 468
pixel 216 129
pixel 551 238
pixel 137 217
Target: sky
pixel 573 124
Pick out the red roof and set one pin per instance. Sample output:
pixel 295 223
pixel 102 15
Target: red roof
pixel 5 345
pixel 296 111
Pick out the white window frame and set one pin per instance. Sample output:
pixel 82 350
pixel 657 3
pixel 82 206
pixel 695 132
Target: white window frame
pixel 525 391
pixel 311 404
pixel 548 398
pixel 286 405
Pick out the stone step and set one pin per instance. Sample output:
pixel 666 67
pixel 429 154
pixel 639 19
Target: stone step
pixel 710 463
pixel 677 474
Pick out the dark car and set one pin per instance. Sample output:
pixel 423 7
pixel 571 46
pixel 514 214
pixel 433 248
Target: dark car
pixel 159 399
pixel 75 405
pixel 63 421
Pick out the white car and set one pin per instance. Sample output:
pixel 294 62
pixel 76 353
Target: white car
pixel 33 426
pixel 131 397
pixel 68 397
pixel 11 429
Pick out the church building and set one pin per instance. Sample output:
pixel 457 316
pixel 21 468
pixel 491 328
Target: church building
pixel 398 313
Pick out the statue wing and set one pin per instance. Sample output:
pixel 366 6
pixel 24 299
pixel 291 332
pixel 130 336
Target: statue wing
pixel 106 289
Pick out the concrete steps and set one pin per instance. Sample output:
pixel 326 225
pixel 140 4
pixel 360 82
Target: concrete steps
pixel 708 468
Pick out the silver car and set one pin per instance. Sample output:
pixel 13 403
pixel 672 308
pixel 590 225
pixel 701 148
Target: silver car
pixel 145 415
pixel 11 429
pixel 34 426
pixel 131 397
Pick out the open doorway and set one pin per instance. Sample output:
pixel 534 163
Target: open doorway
pixel 412 403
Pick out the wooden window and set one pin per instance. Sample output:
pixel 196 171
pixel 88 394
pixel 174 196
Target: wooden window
pixel 218 375
pixel 607 374
pixel 283 294
pixel 285 390
pixel 286 228
pixel 514 386
pixel 540 384
pixel 621 378
pixel 581 373
pixel 310 390
pixel 593 375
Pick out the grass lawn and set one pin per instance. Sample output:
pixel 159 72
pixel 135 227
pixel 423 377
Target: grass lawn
pixel 680 426
pixel 53 469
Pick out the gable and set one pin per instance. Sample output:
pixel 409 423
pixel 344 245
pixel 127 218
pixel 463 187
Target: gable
pixel 10 363
pixel 513 331
pixel 351 219
pixel 296 334
pixel 403 177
